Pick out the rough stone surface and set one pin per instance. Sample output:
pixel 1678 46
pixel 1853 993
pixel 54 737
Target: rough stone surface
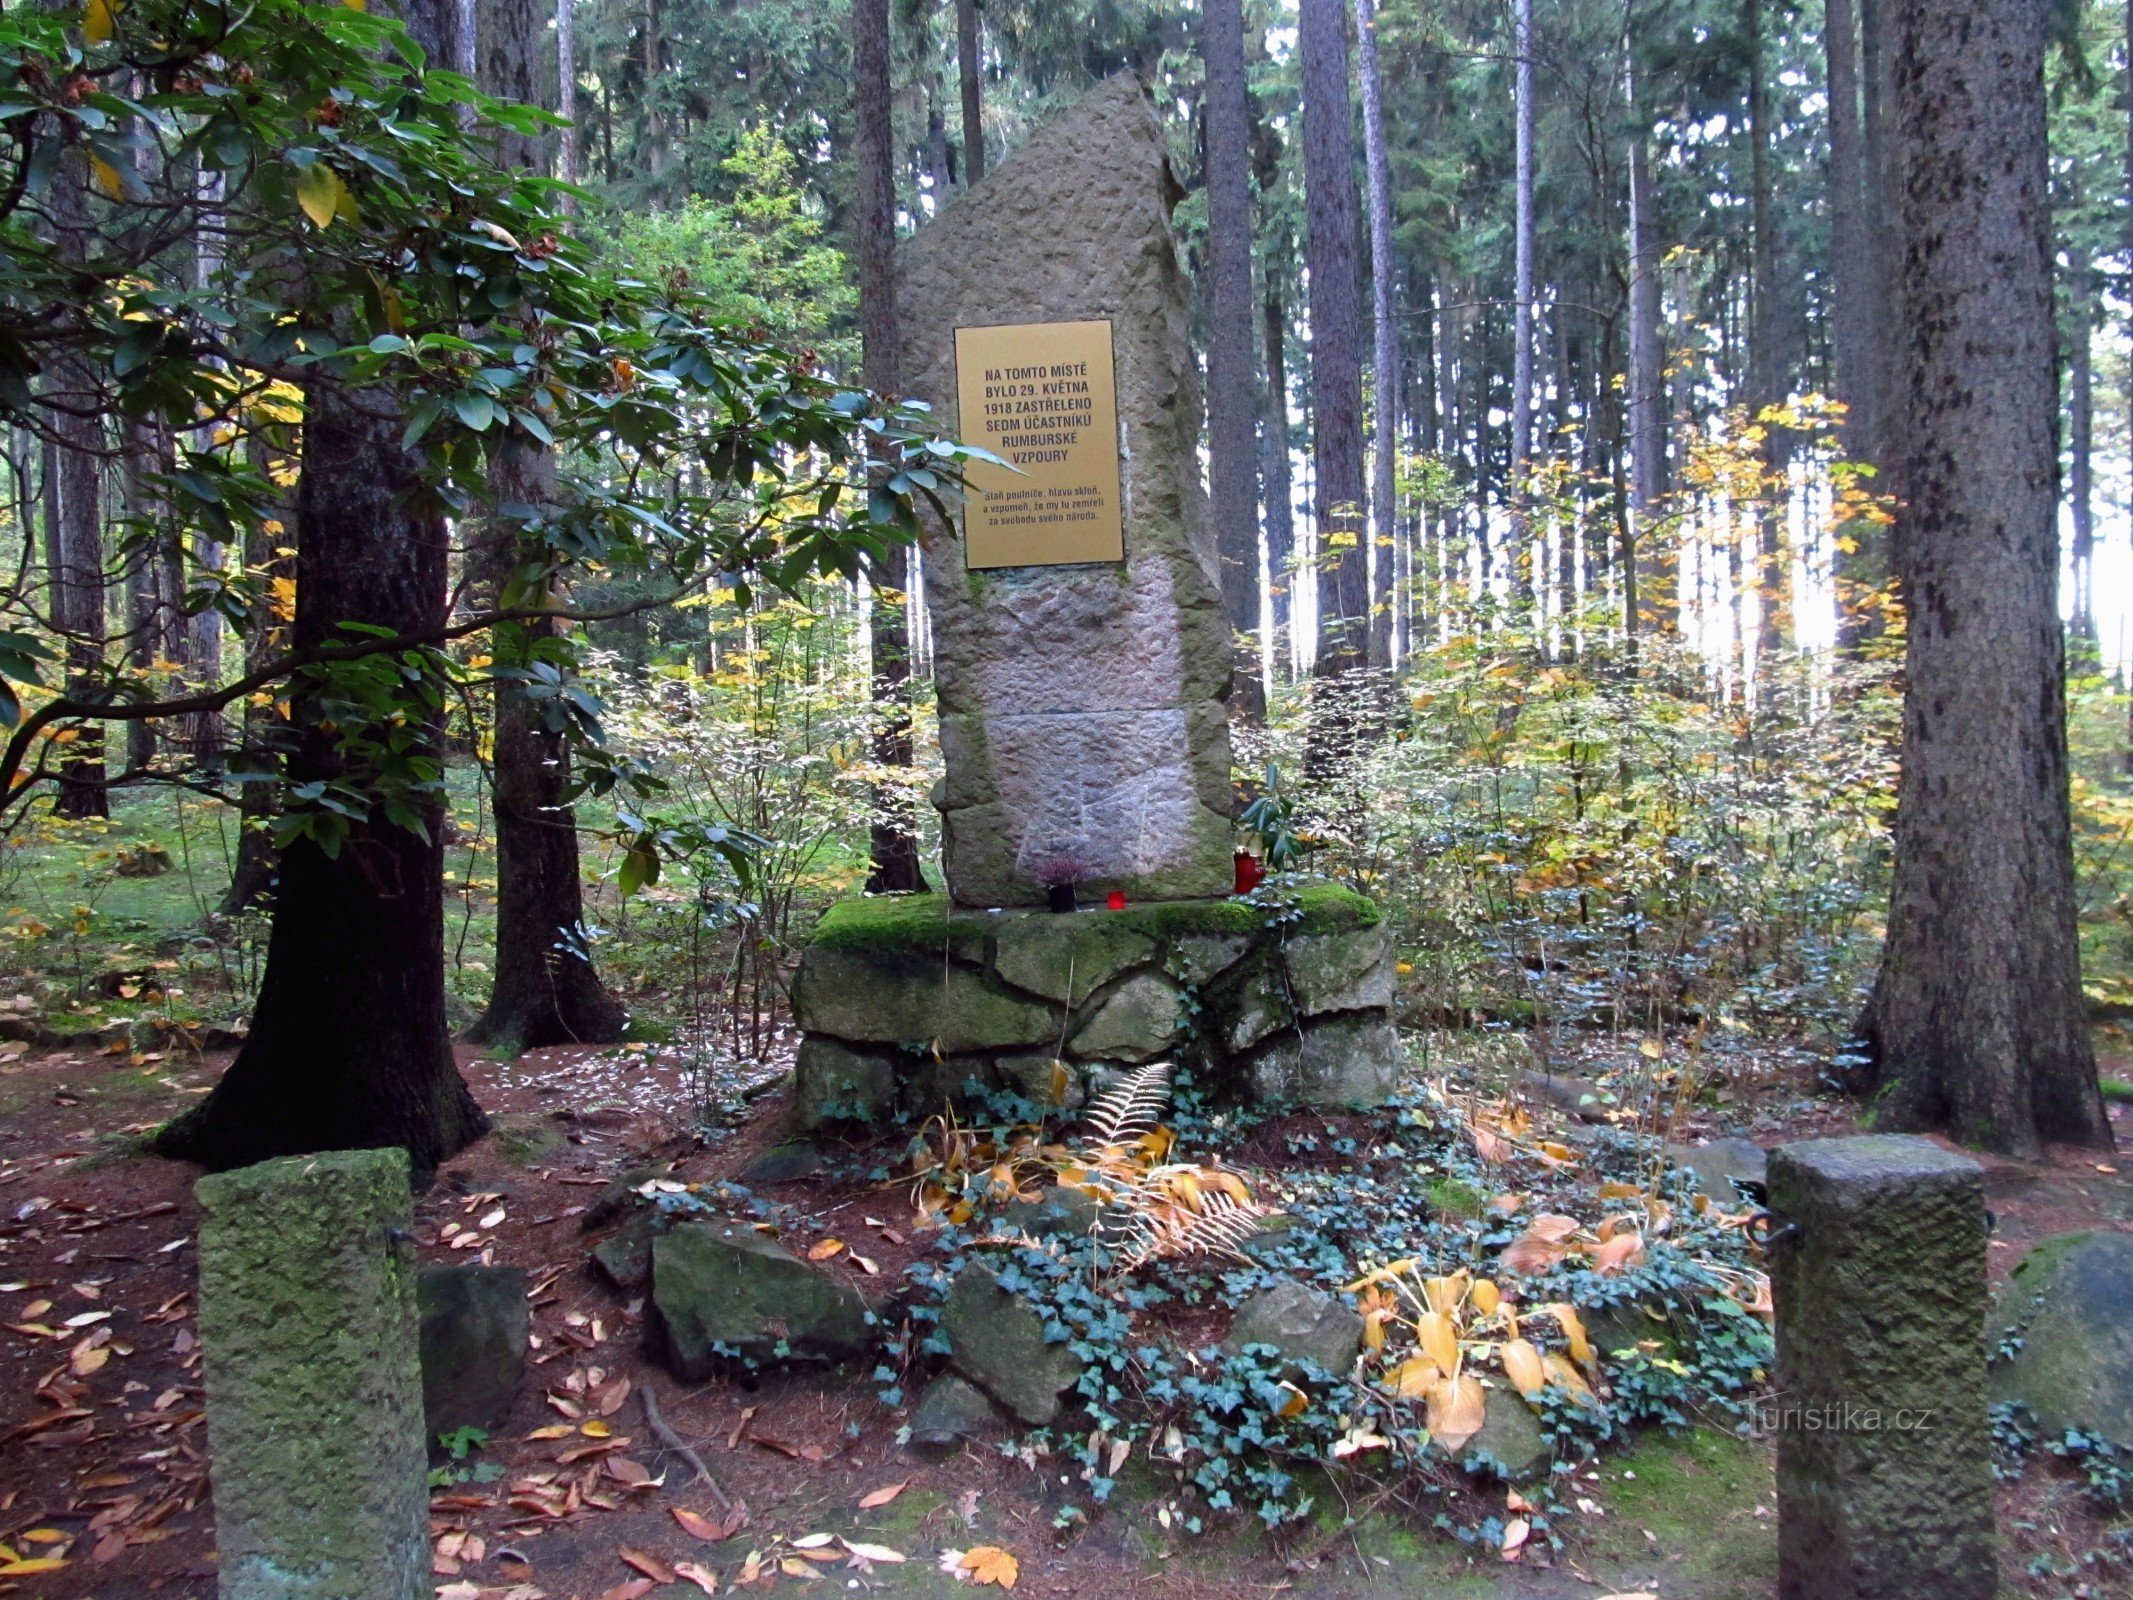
pixel 624 1257
pixel 950 1411
pixel 784 1163
pixel 314 1379
pixel 1880 1308
pixel 910 1002
pixel 1341 971
pixel 2070 1304
pixel 1511 1442
pixel 1352 1058
pixel 832 1082
pixel 1067 958
pixel 474 1326
pixel 1084 708
pixel 722 1288
pixel 997 1341
pixel 1065 1209
pixel 1303 1323
pixel 1138 1022
pixel 1722 1166
pixel 913 1000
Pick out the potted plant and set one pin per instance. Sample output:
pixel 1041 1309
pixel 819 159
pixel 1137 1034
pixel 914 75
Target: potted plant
pixel 1059 875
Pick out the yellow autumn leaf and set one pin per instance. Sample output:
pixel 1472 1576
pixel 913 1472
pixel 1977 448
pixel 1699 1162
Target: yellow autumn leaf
pixel 1486 1296
pixel 107 177
pixel 823 1249
pixel 1457 1409
pixel 24 1569
pixel 318 191
pixel 1522 1365
pixel 1443 1294
pixel 1573 1327
pixel 1413 1378
pixel 99 22
pixel 595 1429
pixel 1439 1340
pixel 1293 1401
pixel 1561 1372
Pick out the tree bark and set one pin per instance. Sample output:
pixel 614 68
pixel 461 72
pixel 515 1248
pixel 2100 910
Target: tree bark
pixel 566 74
pixel 1977 1024
pixel 1336 328
pixel 1884 207
pixel 546 990
pixel 1522 300
pixel 74 531
pixel 1274 455
pixel 1654 608
pixel 348 1046
pixel 1232 475
pixel 1385 342
pixel 969 69
pixel 1855 335
pixel 893 836
pixel 1766 367
pixel 2081 451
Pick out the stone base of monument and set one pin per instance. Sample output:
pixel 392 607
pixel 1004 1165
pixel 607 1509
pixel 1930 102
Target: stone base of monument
pixel 911 1003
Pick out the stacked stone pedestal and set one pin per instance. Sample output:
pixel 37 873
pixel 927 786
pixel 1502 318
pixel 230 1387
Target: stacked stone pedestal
pixel 911 1003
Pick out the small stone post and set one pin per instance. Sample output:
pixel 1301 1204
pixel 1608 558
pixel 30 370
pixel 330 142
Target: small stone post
pixel 1884 1451
pixel 314 1381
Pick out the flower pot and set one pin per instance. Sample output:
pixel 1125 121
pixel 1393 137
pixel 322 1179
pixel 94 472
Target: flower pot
pixel 1061 897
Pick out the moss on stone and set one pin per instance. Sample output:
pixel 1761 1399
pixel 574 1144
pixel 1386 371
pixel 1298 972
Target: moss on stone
pixel 908 923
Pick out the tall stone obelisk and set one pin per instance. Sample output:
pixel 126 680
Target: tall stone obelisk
pixel 1084 708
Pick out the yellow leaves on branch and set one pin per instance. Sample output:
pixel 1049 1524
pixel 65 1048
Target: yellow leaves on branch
pixel 323 196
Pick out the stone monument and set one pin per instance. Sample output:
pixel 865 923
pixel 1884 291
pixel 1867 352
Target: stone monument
pixel 313 1378
pixel 1082 664
pixel 1884 1450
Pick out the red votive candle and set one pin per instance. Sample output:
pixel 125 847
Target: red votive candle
pixel 1116 899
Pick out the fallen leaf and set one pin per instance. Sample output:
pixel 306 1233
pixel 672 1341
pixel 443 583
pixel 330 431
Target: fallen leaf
pixel 874 1498
pixel 1457 1409
pixel 698 1575
pixel 1515 1533
pixel 492 1218
pixel 701 1526
pixel 1522 1365
pixel 554 1430
pixel 985 1563
pixel 872 1552
pixel 824 1249
pixel 24 1569
pixel 635 1589
pixel 650 1565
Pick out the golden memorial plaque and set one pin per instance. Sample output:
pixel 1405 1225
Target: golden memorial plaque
pixel 1040 395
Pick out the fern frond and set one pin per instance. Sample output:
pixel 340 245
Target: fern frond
pixel 1167 1231
pixel 1131 1106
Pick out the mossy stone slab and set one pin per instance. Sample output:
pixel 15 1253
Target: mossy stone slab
pixel 1137 1022
pixel 1067 957
pixel 725 1289
pixel 997 1340
pixel 1349 971
pixel 902 999
pixel 2070 1304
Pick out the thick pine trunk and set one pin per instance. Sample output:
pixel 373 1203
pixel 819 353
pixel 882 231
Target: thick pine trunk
pixel 1330 243
pixel 74 530
pixel 1855 337
pixel 1385 342
pixel 1977 1024
pixel 969 69
pixel 1767 379
pixel 547 990
pixel 1886 403
pixel 348 1047
pixel 894 834
pixel 1232 474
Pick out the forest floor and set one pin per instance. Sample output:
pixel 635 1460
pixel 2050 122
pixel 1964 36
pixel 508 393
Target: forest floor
pixel 103 1454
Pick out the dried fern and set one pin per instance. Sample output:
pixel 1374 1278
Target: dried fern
pixel 1130 1107
pixel 1167 1230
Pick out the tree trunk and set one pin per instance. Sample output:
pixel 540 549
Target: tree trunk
pixel 1232 475
pixel 1385 347
pixel 893 835
pixel 1274 455
pixel 566 75
pixel 1856 337
pixel 1654 608
pixel 546 989
pixel 258 862
pixel 74 531
pixel 1522 301
pixel 2081 438
pixel 969 69
pixel 1336 328
pixel 1766 375
pixel 1977 1024
pixel 348 1047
